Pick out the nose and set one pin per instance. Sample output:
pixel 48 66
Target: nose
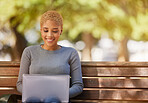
pixel 50 34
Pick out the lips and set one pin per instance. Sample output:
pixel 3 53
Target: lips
pixel 49 40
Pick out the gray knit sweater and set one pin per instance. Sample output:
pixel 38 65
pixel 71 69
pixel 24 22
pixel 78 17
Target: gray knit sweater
pixel 36 60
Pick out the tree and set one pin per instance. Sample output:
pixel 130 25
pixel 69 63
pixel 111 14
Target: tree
pixel 21 16
pixel 133 17
pixel 121 19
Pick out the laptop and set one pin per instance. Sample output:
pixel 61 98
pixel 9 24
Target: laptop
pixel 42 86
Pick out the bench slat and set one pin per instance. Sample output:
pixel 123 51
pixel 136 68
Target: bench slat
pixel 9 71
pixel 93 71
pixel 104 101
pixel 106 94
pixel 115 83
pixel 115 71
pixel 115 64
pixel 8 82
pixel 87 64
pixel 93 83
pixel 115 94
pixel 14 91
pixel 9 63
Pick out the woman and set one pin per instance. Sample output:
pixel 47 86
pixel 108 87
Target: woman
pixel 50 58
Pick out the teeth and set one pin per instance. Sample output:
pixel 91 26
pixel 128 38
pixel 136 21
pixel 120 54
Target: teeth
pixel 49 40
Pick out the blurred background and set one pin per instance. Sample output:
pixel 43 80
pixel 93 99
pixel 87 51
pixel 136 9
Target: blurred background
pixel 100 30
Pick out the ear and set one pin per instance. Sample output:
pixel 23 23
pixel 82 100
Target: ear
pixel 61 31
pixel 40 28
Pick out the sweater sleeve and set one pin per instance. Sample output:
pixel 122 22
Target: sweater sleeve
pixel 76 75
pixel 24 68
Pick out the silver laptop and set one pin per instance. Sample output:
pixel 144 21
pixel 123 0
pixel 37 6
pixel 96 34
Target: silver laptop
pixel 42 86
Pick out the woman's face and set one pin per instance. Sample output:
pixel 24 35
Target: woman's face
pixel 50 32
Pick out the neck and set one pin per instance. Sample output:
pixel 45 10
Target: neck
pixel 50 48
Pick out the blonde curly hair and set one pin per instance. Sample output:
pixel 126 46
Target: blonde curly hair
pixel 53 16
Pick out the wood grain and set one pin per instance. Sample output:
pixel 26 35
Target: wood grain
pixel 87 64
pixel 115 71
pixel 101 82
pixel 115 83
pixel 9 71
pixel 115 64
pixel 8 82
pixel 115 94
pixel 93 83
pixel 12 91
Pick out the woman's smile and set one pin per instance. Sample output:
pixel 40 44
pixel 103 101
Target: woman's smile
pixel 49 40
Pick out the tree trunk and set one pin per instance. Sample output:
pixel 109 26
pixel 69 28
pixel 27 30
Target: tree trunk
pixel 89 42
pixel 20 43
pixel 123 50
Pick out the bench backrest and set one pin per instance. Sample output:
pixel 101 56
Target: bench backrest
pixel 114 81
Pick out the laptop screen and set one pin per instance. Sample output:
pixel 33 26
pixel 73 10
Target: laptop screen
pixel 42 86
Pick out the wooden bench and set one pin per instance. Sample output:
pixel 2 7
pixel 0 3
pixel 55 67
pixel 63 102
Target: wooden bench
pixel 104 82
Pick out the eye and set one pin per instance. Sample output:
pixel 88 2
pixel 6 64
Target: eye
pixel 55 31
pixel 45 30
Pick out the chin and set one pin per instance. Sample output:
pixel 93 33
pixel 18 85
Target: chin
pixel 50 45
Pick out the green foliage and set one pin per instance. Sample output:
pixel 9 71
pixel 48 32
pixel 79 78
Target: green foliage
pixel 118 18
